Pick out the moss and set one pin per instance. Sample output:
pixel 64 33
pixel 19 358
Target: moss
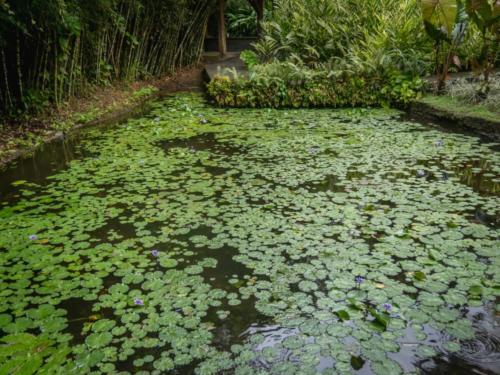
pixel 461 109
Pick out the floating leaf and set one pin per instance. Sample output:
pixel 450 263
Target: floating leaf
pixel 343 315
pixel 419 276
pixel 99 340
pixel 381 318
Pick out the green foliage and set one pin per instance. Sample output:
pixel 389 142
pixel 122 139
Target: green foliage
pixel 337 31
pixel 144 92
pixel 445 22
pixel 25 354
pixel 333 53
pixel 50 50
pixel 439 17
pixel 279 85
pixel 250 58
pixel 373 38
pixel 240 18
pixel 486 16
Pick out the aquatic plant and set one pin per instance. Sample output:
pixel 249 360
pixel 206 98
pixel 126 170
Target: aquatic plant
pixel 258 268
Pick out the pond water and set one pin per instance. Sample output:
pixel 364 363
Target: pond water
pixel 197 240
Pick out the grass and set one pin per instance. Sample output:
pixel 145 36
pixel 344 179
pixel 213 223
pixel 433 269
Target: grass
pixel 460 108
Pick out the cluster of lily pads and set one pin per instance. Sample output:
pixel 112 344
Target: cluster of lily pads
pixel 212 241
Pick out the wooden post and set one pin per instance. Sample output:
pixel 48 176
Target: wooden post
pixel 260 10
pixel 258 6
pixel 222 29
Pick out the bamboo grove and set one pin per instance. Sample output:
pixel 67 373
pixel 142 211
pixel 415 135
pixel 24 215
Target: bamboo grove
pixel 53 49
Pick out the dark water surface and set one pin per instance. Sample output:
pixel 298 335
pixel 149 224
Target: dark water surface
pixel 199 240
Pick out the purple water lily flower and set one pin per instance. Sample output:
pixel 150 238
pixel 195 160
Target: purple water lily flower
pixel 313 150
pixel 138 302
pixel 387 306
pixel 155 253
pixel 354 233
pixel 420 173
pixel 439 143
pixel 359 280
pixel 33 237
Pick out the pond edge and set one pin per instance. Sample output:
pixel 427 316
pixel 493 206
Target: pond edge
pixel 455 121
pixel 189 80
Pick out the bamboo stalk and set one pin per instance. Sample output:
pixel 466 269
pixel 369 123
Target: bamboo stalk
pixel 19 72
pixel 138 38
pixel 6 78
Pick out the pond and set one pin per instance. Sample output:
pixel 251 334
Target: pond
pixel 197 240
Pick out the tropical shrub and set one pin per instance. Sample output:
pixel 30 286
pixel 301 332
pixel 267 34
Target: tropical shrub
pixel 240 18
pixel 369 32
pixel 336 53
pixel 250 58
pixel 279 85
pixel 445 22
pixel 486 16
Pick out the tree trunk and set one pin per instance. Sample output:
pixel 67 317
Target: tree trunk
pixel 222 29
pixel 258 6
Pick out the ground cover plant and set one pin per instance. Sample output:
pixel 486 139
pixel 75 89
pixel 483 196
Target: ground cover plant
pixel 243 241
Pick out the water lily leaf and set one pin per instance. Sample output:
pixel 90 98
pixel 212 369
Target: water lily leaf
pixel 168 263
pixel 382 319
pixel 165 237
pixel 476 291
pixel 419 275
pixel 357 363
pixel 356 304
pixel 99 340
pixel 343 315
